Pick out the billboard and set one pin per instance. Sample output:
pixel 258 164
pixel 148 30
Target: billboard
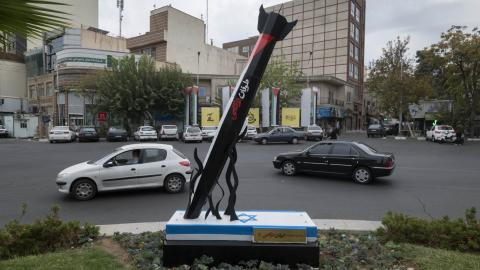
pixel 254 117
pixel 291 117
pixel 210 116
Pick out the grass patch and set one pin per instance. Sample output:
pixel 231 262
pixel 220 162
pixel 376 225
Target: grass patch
pixel 435 259
pixel 76 259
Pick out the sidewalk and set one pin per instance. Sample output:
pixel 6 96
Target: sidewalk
pixel 322 224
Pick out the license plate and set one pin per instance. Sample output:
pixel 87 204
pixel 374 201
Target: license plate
pixel 374 130
pixel 118 136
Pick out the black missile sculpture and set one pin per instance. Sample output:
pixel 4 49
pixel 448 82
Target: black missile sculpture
pixel 272 27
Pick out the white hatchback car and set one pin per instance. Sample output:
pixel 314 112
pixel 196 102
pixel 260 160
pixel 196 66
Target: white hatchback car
pixel 61 133
pixel 129 166
pixel 145 133
pixel 168 132
pixel 192 134
pixel 439 133
pixel 208 132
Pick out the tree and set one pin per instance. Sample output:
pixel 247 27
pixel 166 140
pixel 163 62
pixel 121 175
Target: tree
pixel 284 76
pixel 391 79
pixel 29 18
pixel 134 91
pixel 453 65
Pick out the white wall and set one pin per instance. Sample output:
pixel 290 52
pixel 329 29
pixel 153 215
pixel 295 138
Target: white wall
pixel 186 37
pixel 84 12
pixel 13 79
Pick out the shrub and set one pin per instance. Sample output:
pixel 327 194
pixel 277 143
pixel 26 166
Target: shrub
pixel 458 234
pixel 44 235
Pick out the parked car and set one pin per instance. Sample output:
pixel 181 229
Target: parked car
pixel 168 132
pixel 280 134
pixel 438 133
pixel 314 132
pixel 192 134
pixel 354 159
pixel 3 132
pixel 117 134
pixel 390 129
pixel 251 133
pixel 88 134
pixel 145 133
pixel 130 166
pixel 375 130
pixel 61 133
pixel 208 132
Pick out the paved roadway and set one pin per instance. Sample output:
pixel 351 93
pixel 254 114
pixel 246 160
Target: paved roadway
pixel 430 180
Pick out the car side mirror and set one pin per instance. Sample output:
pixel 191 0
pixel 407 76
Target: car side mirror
pixel 108 164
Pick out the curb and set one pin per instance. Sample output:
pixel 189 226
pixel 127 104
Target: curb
pixel 322 224
pixel 473 139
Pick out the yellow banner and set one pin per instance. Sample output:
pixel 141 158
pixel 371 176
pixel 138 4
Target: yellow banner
pixel 254 117
pixel 291 117
pixel 210 116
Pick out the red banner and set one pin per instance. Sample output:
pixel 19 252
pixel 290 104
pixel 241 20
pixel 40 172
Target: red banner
pixel 102 116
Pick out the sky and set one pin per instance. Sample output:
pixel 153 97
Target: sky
pixel 229 20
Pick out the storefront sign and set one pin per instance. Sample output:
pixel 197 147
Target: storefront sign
pixel 102 116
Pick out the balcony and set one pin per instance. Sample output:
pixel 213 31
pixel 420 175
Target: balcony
pixel 145 39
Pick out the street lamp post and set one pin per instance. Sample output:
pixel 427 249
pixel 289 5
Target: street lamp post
pixel 195 93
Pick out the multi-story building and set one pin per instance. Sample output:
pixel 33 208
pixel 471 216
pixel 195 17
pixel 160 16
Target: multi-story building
pixel 179 38
pixel 328 45
pixel 243 47
pixel 56 72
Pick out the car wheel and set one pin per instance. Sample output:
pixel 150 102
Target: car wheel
pixel 264 141
pixel 433 138
pixel 50 141
pixel 362 175
pixel 84 190
pixel 174 183
pixel 289 168
pixel 294 141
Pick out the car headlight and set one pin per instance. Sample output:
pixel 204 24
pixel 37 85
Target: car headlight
pixel 275 158
pixel 61 175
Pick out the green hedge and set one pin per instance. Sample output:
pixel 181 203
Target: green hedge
pixel 44 235
pixel 459 234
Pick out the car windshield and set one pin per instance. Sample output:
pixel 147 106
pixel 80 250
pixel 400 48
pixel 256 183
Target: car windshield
pixel 366 148
pixel 180 154
pixel 374 126
pixel 275 130
pixel 60 128
pixel 116 129
pixel 87 129
pixel 314 128
pixel 169 127
pixel 209 128
pixel 96 160
pixel 147 129
pixel 445 128
pixel 193 129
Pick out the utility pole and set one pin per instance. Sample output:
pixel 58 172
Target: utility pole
pixel 401 99
pixel 198 89
pixel 206 34
pixel 120 8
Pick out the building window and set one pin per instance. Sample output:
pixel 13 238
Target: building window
pixel 350 70
pixel 357 34
pixel 352 51
pixel 245 49
pixel 352 30
pixel 357 14
pixel 40 90
pixel 23 125
pixel 352 8
pixel 355 72
pixel 233 49
pixel 349 97
pixel 357 52
pixel 49 89
pixel 33 92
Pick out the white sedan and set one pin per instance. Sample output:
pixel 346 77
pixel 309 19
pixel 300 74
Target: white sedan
pixel 130 166
pixel 145 133
pixel 61 133
pixel 439 133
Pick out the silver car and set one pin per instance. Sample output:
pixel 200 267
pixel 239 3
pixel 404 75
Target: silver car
pixel 130 166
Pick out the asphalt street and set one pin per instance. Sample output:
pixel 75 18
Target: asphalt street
pixel 430 180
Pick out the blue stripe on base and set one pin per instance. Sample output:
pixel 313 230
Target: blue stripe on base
pixel 230 229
